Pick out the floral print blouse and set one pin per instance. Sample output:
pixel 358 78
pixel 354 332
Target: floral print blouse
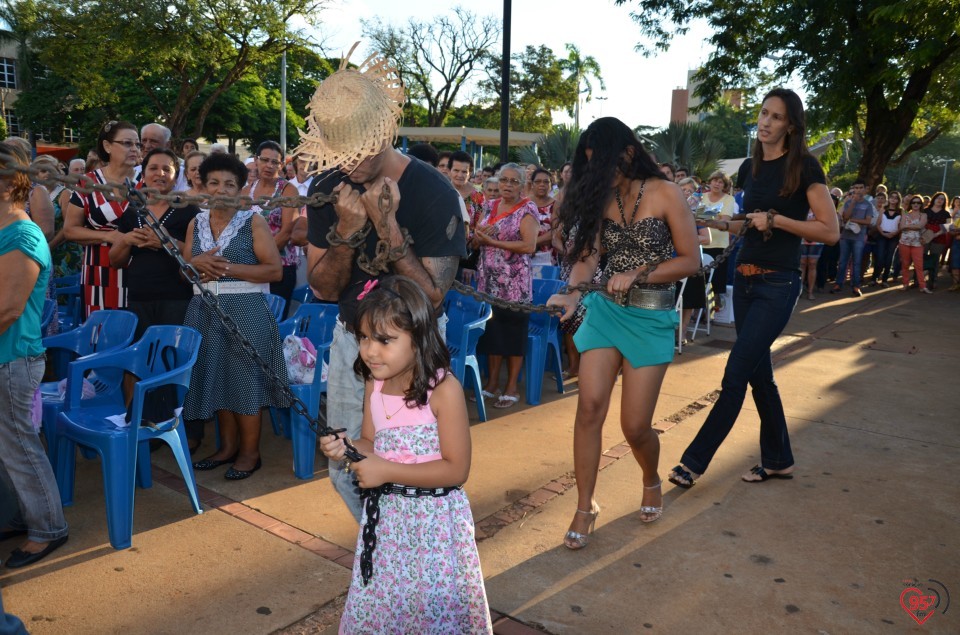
pixel 503 273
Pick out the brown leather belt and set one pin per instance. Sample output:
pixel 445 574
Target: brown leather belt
pixel 752 270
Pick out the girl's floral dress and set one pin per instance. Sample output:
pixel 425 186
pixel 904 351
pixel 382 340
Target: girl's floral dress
pixel 426 569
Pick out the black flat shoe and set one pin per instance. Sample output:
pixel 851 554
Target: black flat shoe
pixel 238 475
pixel 212 464
pixel 12 533
pixel 20 558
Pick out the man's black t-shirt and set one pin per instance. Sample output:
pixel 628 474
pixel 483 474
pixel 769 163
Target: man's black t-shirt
pixel 782 251
pixel 154 275
pixel 429 210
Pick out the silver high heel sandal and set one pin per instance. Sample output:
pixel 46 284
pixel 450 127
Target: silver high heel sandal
pixel 574 540
pixel 652 513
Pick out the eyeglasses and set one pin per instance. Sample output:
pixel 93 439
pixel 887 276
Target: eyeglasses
pixel 916 202
pixel 129 144
pixel 273 162
pixel 509 181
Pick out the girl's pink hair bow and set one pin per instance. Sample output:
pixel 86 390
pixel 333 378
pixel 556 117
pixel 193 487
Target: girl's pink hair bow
pixel 367 288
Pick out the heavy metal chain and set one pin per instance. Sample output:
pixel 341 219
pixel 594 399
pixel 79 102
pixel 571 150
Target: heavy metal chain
pixel 586 287
pixel 119 192
pixel 384 253
pixel 137 201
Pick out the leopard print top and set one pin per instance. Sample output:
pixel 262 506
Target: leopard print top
pixel 644 242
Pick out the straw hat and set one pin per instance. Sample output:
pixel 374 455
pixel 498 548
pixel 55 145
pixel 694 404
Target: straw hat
pixel 352 114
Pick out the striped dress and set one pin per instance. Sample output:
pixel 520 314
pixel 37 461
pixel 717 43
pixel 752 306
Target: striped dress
pixel 103 286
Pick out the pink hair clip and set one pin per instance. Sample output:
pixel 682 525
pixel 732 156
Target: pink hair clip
pixel 367 288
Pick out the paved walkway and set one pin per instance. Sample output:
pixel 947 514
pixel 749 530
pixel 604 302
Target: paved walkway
pixel 872 511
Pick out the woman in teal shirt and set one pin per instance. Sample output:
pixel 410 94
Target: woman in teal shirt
pixel 24 468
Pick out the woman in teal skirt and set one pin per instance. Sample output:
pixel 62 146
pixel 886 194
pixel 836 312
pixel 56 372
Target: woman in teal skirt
pixel 623 207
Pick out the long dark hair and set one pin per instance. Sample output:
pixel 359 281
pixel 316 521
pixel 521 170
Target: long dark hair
pixel 795 140
pixel 399 302
pixel 591 184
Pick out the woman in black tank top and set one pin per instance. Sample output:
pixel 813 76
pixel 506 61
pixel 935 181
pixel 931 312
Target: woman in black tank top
pixel 782 176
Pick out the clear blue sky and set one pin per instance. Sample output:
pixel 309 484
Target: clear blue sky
pixel 638 88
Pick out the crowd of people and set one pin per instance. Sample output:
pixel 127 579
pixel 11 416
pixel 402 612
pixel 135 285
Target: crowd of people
pixel 612 216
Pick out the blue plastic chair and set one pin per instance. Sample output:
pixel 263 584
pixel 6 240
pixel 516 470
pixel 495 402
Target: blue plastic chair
pixel 542 335
pixel 164 356
pixel 70 299
pixel 545 272
pixel 467 319
pixel 103 332
pixel 67 281
pixel 316 323
pixel 277 304
pixel 46 317
pixel 304 295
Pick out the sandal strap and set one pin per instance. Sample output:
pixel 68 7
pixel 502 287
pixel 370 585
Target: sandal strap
pixel 654 486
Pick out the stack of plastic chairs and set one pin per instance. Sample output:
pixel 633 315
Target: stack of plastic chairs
pixel 46 317
pixel 164 356
pixel 467 319
pixel 704 314
pixel 103 332
pixel 546 272
pixel 69 295
pixel 303 294
pixel 678 307
pixel 277 305
pixel 543 341
pixel 316 323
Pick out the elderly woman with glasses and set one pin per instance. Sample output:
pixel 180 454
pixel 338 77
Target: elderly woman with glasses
pixel 270 183
pixel 506 237
pixel 91 219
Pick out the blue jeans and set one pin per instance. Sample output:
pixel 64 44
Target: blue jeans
pixel 885 249
pixel 24 467
pixel 345 406
pixel 762 306
pixel 850 248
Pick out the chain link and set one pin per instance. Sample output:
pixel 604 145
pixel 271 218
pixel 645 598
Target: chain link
pixel 383 255
pixel 137 201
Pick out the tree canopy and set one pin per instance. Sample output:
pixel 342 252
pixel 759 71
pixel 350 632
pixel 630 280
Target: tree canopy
pixel 537 89
pixel 179 56
pixel 872 67
pixel 435 59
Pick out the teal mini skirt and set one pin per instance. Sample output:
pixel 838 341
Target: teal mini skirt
pixel 645 337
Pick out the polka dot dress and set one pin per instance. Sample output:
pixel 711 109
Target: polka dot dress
pixel 224 377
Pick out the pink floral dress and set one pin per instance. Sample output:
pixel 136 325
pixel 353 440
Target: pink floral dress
pixel 426 569
pixel 506 274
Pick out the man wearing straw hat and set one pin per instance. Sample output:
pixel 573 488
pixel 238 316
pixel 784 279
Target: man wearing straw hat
pixel 352 125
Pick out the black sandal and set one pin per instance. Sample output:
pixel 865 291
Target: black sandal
pixel 764 475
pixel 681 478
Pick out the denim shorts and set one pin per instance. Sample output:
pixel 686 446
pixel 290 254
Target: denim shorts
pixel 811 251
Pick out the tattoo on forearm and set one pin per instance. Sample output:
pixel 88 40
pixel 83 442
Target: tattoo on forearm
pixel 443 270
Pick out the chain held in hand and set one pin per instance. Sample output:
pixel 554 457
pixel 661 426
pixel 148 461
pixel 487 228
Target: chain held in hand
pixel 138 203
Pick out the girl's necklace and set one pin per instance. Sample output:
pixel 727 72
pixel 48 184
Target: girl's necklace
pixel 384 404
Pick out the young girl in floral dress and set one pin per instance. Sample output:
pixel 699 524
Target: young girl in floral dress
pixel 421 572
